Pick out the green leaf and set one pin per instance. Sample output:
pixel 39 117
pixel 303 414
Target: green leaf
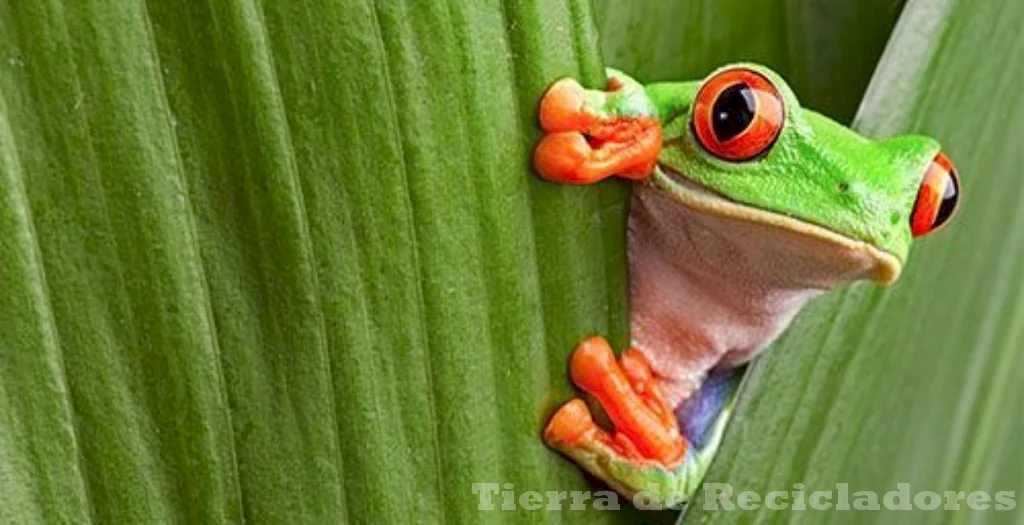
pixel 826 49
pixel 287 263
pixel 920 384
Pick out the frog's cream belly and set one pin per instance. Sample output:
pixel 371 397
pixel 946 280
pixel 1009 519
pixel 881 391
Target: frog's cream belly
pixel 709 290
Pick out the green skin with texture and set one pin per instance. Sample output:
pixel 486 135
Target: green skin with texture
pixel 818 170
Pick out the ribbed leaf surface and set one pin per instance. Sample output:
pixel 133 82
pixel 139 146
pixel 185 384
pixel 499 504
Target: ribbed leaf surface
pixel 286 263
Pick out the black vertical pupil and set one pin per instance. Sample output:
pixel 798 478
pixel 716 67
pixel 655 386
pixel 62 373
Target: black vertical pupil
pixel 949 197
pixel 733 111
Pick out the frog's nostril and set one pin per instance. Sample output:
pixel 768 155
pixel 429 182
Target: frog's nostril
pixel 936 198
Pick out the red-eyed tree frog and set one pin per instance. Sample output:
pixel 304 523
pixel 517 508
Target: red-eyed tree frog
pixel 746 206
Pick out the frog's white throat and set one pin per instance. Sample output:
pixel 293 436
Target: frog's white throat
pixel 884 268
pixel 713 282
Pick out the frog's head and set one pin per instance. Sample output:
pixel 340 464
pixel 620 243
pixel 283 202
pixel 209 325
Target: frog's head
pixel 743 148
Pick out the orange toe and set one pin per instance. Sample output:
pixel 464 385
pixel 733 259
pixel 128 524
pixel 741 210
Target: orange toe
pixel 638 372
pixel 582 145
pixel 570 158
pixel 592 364
pixel 563 107
pixel 561 157
pixel 635 366
pixel 594 369
pixel 571 424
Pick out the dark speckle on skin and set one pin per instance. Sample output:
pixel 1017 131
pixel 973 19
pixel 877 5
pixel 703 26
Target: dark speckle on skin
pixel 895 217
pixel 843 187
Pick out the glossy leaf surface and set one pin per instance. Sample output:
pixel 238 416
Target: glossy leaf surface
pixel 285 262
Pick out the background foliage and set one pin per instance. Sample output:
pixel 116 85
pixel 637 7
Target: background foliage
pixel 285 262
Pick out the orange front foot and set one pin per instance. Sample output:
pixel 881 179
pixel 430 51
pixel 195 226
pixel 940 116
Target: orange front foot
pixel 592 135
pixel 645 427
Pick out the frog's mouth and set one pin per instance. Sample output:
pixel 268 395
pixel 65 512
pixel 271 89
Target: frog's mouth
pixel 886 267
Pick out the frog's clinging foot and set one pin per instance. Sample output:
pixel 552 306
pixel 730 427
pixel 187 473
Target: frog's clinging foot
pixel 647 450
pixel 592 135
pixel 645 427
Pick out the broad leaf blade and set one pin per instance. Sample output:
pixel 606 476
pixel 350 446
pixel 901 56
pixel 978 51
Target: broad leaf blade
pixel 288 264
pixel 918 384
pixel 292 259
pixel 826 49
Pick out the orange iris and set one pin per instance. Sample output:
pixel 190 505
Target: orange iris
pixel 937 197
pixel 738 115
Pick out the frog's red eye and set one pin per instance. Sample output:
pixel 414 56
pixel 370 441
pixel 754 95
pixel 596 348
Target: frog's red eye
pixel 937 197
pixel 738 115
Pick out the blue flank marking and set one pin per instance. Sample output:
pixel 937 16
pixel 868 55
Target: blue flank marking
pixel 699 413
